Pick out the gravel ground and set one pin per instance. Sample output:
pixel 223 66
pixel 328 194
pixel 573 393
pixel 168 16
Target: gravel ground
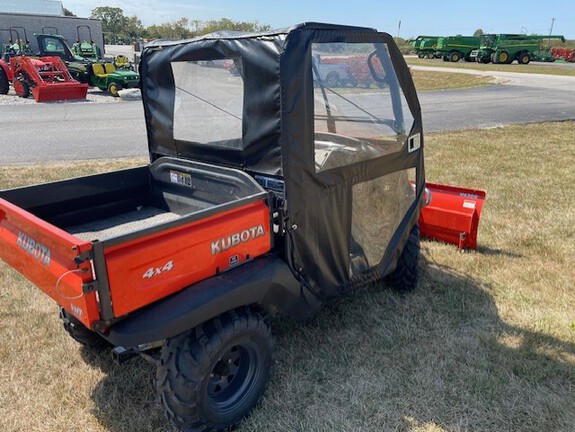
pixel 94 95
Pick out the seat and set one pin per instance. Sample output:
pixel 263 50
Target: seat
pixel 98 70
pixel 110 68
pixel 122 62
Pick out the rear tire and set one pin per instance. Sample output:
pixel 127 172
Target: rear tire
pixel 405 277
pixel 211 377
pixel 524 59
pixel 454 57
pixel 4 83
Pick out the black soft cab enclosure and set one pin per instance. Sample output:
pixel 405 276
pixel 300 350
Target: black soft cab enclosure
pixel 343 156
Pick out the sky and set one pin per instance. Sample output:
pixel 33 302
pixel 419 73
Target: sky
pixel 407 18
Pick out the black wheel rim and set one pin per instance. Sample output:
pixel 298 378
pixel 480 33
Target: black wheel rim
pixel 233 378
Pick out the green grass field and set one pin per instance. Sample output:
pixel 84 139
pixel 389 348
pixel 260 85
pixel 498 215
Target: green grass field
pixel 486 343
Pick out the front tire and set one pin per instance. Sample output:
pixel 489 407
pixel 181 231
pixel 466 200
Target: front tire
pixel 114 89
pixel 21 87
pixel 212 376
pixel 405 277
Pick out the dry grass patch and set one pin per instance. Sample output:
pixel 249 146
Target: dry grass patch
pixel 487 342
pixel 432 81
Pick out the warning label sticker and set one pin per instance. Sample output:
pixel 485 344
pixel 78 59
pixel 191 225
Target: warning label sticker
pixel 181 178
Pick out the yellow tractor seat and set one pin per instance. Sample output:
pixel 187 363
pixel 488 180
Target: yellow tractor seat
pixel 122 61
pixel 110 68
pixel 98 70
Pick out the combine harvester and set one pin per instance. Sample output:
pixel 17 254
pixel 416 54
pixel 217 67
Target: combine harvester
pixel 46 78
pixel 455 48
pixel 506 48
pixel 424 46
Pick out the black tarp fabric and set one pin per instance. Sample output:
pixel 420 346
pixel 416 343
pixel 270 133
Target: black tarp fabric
pixel 278 141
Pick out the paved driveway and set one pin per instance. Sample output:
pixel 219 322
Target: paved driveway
pixel 37 133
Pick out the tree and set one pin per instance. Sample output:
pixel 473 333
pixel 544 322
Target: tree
pixel 478 33
pixel 228 24
pixel 134 29
pixel 113 21
pixel 185 28
pixel 69 13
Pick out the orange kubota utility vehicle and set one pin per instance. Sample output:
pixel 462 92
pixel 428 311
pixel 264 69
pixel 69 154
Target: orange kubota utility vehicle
pixel 268 191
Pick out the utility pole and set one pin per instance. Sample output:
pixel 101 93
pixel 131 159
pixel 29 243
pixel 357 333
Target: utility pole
pixel 550 32
pixel 399 28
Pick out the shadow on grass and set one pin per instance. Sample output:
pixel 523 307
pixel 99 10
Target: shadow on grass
pixel 439 358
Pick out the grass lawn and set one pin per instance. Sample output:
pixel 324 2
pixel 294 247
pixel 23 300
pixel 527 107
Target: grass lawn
pixel 486 343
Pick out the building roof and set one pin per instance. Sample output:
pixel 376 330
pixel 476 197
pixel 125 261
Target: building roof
pixel 36 7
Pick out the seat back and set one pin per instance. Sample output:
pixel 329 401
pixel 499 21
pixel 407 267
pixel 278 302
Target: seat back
pixel 98 69
pixel 109 68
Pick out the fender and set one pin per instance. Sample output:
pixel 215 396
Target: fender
pixel 6 68
pixel 267 282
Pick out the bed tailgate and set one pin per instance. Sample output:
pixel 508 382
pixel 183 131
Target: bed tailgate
pixel 50 258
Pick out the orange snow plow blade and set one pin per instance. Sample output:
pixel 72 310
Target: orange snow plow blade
pixel 452 215
pixel 57 91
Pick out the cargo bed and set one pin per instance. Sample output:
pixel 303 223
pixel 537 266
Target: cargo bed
pixel 105 245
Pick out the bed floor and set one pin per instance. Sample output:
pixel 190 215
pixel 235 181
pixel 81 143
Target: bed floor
pixel 122 224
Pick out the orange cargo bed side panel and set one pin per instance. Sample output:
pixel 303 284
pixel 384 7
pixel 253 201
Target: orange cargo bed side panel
pixel 149 268
pixel 46 256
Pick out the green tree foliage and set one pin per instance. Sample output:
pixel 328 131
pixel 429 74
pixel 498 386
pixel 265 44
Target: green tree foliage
pixel 69 13
pixel 180 29
pixel 113 19
pixel 119 28
pixel 478 33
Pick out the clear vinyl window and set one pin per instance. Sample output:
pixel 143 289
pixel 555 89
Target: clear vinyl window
pixel 378 208
pixel 360 111
pixel 209 102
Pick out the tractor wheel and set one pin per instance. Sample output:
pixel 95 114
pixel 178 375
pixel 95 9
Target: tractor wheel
pixel 503 57
pixel 454 57
pixel 421 55
pixel 332 79
pixel 4 83
pixel 81 334
pixel 524 58
pixel 406 275
pixel 114 89
pixel 430 55
pixel 445 58
pixel 211 377
pixel 21 87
